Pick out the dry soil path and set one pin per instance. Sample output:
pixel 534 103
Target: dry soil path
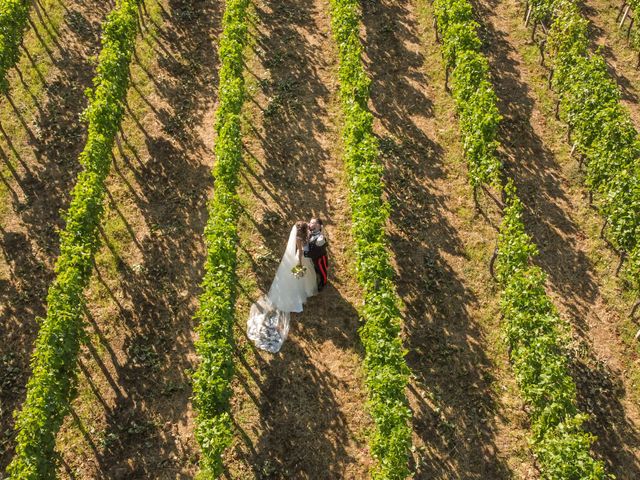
pixel 133 417
pixel 468 421
pixel 301 412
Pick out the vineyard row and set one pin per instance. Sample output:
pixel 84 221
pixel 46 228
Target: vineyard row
pixel 600 128
pixel 535 340
pixel 386 371
pixel 215 316
pixel 54 370
pixel 14 16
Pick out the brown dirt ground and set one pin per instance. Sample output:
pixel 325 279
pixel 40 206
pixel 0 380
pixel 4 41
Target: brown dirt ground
pixel 133 417
pixel 565 230
pixel 300 413
pixel 40 142
pixel 468 421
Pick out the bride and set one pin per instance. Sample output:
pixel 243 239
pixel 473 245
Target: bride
pixel 295 281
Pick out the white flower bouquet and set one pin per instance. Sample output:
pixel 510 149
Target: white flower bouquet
pixel 299 271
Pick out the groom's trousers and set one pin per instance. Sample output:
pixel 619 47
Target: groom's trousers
pixel 321 264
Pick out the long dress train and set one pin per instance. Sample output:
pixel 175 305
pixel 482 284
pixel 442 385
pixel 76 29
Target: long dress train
pixel 269 318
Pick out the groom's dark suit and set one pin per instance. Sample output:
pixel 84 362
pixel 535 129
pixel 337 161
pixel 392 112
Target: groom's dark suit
pixel 317 251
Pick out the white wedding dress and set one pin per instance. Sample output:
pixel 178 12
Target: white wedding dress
pixel 269 318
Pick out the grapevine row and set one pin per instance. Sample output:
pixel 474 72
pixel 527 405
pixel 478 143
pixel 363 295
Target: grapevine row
pixel 537 345
pixel 532 324
pixel 385 367
pixel 474 96
pixel 212 379
pixel 600 127
pixel 14 16
pixel 51 386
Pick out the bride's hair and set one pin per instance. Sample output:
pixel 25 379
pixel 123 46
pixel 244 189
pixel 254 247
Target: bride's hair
pixel 302 229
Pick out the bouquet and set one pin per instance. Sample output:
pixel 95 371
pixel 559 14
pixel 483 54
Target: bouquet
pixel 299 271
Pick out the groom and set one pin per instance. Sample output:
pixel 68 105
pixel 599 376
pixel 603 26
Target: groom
pixel 317 251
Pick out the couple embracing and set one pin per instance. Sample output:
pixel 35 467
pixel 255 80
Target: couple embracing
pixel 312 243
pixel 301 274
